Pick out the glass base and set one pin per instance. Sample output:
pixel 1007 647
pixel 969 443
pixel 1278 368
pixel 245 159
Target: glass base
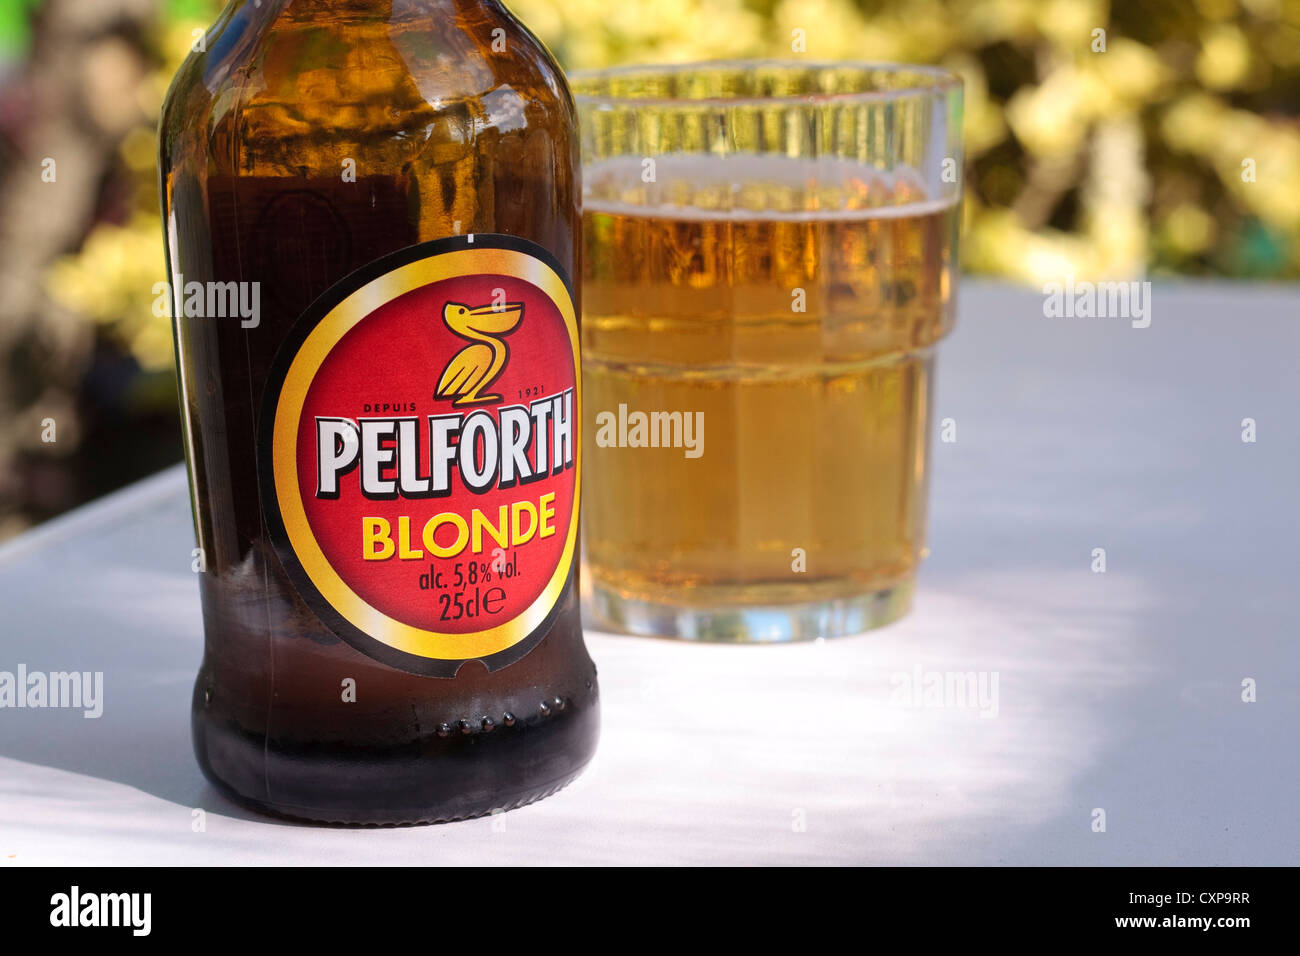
pixel 772 624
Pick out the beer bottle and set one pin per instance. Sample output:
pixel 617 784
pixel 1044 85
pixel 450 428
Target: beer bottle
pixel 371 212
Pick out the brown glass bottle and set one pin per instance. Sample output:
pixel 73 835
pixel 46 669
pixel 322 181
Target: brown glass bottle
pixel 311 139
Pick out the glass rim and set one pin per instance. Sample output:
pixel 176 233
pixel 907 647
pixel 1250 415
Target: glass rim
pixel 942 82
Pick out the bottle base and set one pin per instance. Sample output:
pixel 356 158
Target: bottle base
pixel 432 780
pixel 372 819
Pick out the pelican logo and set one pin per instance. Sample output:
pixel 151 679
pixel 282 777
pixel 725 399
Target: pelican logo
pixel 477 366
pixel 420 479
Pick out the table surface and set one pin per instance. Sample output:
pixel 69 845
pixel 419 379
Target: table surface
pixel 1120 691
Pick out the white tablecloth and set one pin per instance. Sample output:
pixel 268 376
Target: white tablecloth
pixel 1119 691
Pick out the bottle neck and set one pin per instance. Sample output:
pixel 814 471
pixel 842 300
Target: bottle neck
pixel 380 8
pixel 395 11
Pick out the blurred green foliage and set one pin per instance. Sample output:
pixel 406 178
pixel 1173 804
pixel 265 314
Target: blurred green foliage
pixel 15 27
pixel 1103 140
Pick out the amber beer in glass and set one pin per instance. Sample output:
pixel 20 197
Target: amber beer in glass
pixel 384 458
pixel 770 259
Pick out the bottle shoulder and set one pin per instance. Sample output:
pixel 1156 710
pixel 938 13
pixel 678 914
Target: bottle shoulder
pixel 277 87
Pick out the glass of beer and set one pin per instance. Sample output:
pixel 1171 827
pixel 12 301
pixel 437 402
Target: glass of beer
pixel 769 260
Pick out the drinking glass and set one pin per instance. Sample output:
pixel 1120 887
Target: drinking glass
pixel 769 260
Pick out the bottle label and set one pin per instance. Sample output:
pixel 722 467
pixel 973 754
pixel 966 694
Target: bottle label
pixel 419 453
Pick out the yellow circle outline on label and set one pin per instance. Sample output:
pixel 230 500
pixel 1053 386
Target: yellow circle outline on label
pixel 288 415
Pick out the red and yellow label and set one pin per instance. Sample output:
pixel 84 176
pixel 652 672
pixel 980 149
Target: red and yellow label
pixel 420 453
